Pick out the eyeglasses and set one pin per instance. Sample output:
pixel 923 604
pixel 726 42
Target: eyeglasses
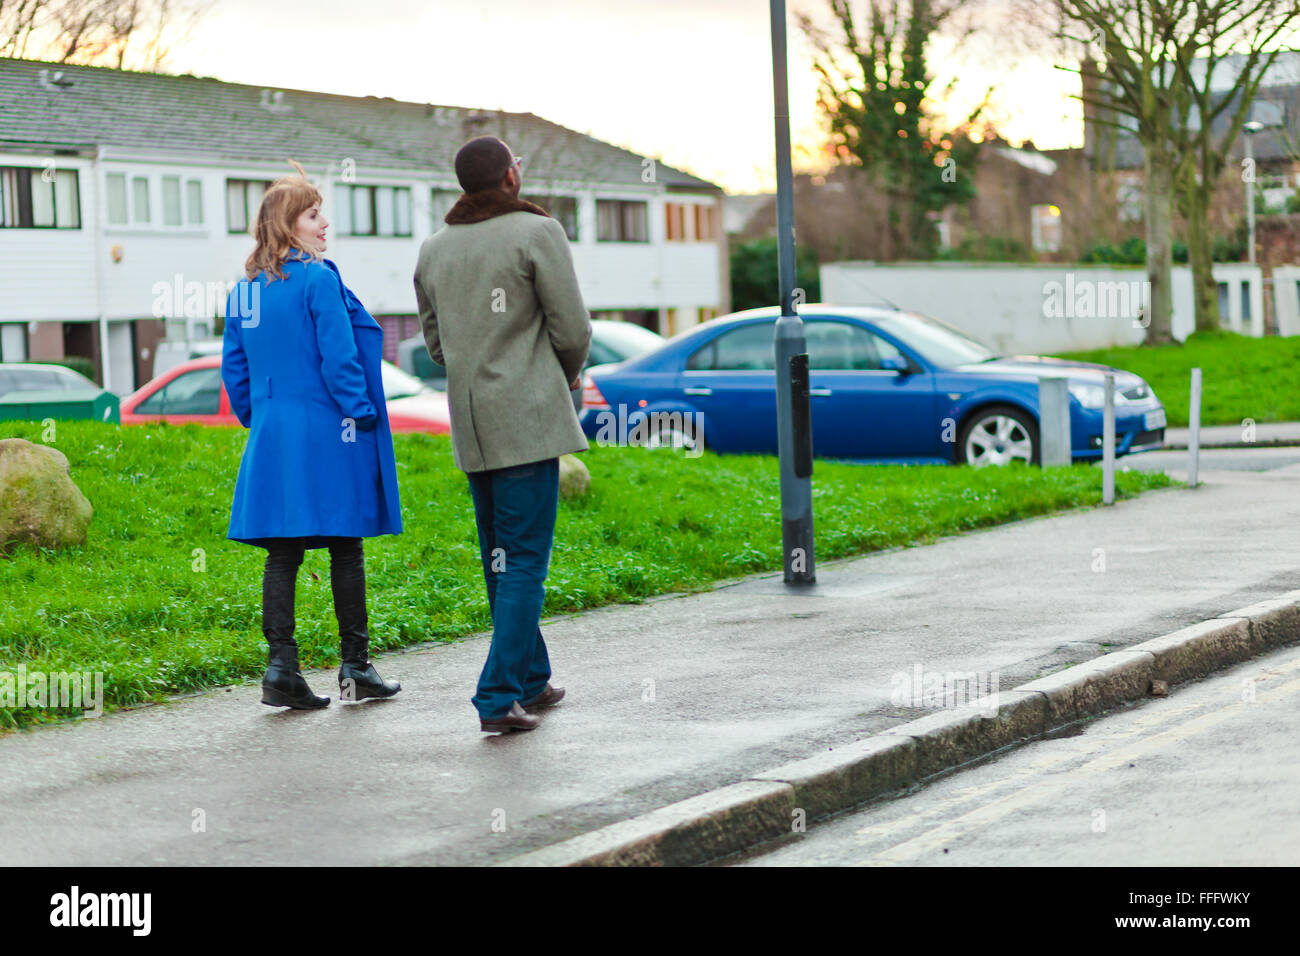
pixel 519 161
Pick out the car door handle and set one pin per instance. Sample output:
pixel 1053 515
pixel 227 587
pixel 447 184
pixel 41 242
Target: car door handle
pixel 819 391
pixel 699 390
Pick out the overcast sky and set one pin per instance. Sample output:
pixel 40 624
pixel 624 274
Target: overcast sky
pixel 688 81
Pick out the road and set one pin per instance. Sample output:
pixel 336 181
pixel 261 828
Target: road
pixel 1213 459
pixel 1205 777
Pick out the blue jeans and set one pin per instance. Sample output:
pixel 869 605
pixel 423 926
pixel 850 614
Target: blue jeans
pixel 515 512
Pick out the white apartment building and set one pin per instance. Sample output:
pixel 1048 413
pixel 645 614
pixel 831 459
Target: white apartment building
pixel 125 201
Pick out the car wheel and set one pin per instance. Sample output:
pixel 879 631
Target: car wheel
pixel 998 435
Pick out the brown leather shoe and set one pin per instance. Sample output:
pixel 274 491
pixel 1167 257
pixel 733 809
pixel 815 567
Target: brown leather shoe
pixel 552 695
pixel 514 719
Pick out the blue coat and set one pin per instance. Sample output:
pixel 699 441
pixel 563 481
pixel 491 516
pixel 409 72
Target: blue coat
pixel 301 356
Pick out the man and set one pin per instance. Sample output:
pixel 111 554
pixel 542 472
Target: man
pixel 501 309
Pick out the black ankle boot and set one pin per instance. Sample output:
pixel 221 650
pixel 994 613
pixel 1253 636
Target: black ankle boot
pixel 358 679
pixel 283 684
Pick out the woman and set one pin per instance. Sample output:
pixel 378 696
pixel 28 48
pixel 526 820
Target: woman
pixel 301 364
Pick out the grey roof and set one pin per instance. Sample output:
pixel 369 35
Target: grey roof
pixel 206 117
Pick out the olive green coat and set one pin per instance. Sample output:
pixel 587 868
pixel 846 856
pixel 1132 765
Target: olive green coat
pixel 500 308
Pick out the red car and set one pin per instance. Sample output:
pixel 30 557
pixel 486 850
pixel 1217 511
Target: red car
pixel 193 392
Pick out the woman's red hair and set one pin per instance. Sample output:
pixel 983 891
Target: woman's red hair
pixel 277 217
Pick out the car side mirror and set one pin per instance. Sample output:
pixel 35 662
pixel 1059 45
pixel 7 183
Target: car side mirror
pixel 896 363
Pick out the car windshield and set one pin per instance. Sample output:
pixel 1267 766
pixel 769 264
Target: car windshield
pixel 937 342
pixel 398 384
pixel 626 338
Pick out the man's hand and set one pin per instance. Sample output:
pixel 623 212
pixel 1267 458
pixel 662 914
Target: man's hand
pixel 576 383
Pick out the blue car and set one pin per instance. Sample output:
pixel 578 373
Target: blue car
pixel 886 385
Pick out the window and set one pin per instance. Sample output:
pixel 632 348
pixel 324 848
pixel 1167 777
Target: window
pixel 39 198
pixel 750 348
pixel 1223 304
pixel 139 199
pixel 372 210
pixel 361 206
pixel 171 200
pixel 402 213
pixel 1045 228
pixel 621 221
pixel 385 211
pixel 193 393
pixel 341 213
pixel 1245 302
pixel 194 202
pixel 601 354
pixel 686 221
pixel 840 346
pixel 115 188
pixel 674 221
pixel 42 202
pixel 563 209
pixel 441 201
pixel 36 380
pixel 1131 201
pixel 243 197
pixel 706 222
pixel 67 200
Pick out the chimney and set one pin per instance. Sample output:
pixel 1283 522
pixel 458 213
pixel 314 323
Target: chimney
pixel 53 80
pixel 273 101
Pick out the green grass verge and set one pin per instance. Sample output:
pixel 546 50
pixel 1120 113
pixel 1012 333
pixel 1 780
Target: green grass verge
pixel 160 601
pixel 1242 377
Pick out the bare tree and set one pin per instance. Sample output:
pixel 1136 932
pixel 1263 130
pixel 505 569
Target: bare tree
pixel 1162 59
pixel 19 20
pixel 1143 41
pixel 1240 42
pixel 127 34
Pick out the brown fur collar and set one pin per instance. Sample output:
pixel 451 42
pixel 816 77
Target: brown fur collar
pixel 487 204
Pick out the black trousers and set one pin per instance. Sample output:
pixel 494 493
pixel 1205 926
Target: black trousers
pixel 347 582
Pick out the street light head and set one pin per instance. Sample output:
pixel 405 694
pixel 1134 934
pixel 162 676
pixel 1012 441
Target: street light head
pixel 1254 126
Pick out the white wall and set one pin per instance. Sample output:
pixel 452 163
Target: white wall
pixel 1033 308
pixel 1286 299
pixel 46 273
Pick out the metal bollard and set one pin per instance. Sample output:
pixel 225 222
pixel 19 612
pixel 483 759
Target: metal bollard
pixel 1054 420
pixel 1108 443
pixel 1194 431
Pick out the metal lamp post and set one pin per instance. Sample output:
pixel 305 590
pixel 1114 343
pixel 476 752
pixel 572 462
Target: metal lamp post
pixel 1250 129
pixel 793 413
